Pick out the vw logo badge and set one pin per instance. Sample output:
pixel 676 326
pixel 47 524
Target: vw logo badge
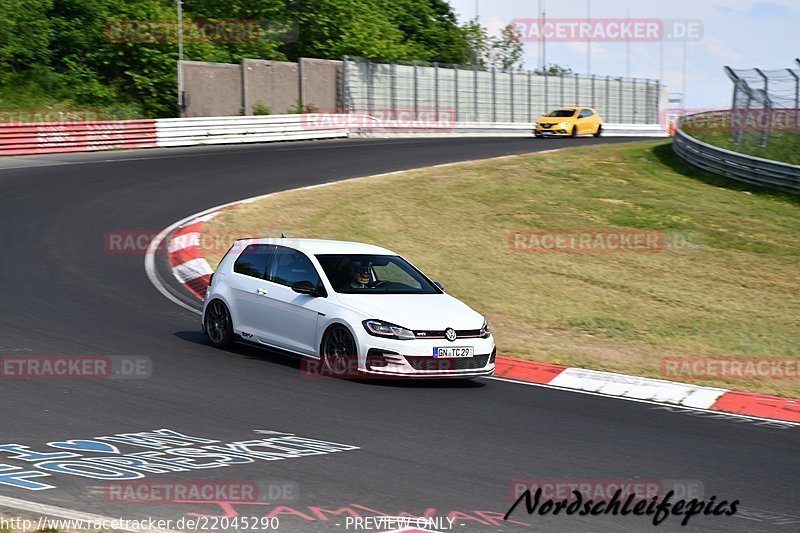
pixel 450 334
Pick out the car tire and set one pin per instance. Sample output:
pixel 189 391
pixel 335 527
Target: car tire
pixel 574 131
pixel 218 324
pixel 599 131
pixel 338 352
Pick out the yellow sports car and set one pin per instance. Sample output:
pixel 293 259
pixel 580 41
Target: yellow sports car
pixel 569 121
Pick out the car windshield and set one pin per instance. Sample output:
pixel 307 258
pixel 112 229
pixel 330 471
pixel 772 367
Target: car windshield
pixel 562 113
pixel 374 274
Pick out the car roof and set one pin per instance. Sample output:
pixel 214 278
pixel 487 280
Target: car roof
pixel 323 246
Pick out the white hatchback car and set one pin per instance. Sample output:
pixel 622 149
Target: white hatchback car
pixel 357 308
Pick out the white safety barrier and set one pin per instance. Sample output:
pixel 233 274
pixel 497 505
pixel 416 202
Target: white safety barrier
pixel 87 137
pixel 388 128
pixel 247 129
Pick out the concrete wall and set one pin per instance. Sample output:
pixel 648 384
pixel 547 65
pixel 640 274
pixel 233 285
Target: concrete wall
pixel 274 84
pixel 219 89
pixel 321 84
pixel 214 89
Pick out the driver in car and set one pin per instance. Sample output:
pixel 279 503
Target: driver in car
pixel 360 277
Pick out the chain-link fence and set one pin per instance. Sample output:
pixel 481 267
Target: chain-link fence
pixel 765 105
pixel 465 94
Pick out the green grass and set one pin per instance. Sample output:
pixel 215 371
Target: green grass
pixel 733 291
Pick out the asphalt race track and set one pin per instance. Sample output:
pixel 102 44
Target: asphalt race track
pixel 455 448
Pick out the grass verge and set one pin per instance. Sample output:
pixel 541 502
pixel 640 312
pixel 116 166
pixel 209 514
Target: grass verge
pixel 733 291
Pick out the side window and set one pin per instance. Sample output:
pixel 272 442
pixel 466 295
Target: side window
pixel 585 113
pixel 291 266
pixel 254 260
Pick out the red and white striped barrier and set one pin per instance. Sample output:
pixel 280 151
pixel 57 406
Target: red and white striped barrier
pixel 58 137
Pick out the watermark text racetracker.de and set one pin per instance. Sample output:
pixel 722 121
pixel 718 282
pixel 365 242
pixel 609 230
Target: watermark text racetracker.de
pixel 89 367
pixel 762 368
pixel 136 242
pixel 601 241
pixel 609 30
pixel 202 523
pixel 654 498
pixel 200 490
pixel 31 116
pixel 395 119
pixel 736 120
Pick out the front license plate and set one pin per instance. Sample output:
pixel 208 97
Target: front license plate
pixel 451 351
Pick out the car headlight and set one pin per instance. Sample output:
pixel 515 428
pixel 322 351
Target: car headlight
pixel 379 328
pixel 563 124
pixel 485 332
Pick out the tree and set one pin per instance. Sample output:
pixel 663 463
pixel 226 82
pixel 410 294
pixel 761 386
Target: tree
pixel 553 69
pixel 506 50
pixel 503 52
pixel 25 35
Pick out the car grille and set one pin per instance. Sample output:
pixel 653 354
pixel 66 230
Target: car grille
pixel 439 334
pixel 456 363
pixel 546 125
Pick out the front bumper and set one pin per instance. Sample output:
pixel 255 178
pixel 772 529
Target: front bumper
pixel 414 358
pixel 554 131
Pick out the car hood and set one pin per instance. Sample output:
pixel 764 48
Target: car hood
pixel 415 311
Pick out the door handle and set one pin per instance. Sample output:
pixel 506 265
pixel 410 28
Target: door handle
pixel 261 292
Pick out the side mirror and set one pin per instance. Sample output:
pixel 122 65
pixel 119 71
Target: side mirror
pixel 439 285
pixel 308 288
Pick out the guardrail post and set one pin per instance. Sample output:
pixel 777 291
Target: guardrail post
pixel 511 84
pixel 546 99
pixel 633 99
pixel 346 85
pixel 577 90
pixel 393 89
pixel 655 104
pixel 475 93
pixel 370 88
pixel 455 91
pixel 766 105
pixel 607 110
pixel 530 96
pixel 796 98
pixel 620 101
pixel 416 92
pixel 494 95
pixel 436 89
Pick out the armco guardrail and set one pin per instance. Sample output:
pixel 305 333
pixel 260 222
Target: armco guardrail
pixel 42 138
pixel 741 167
pixel 248 129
